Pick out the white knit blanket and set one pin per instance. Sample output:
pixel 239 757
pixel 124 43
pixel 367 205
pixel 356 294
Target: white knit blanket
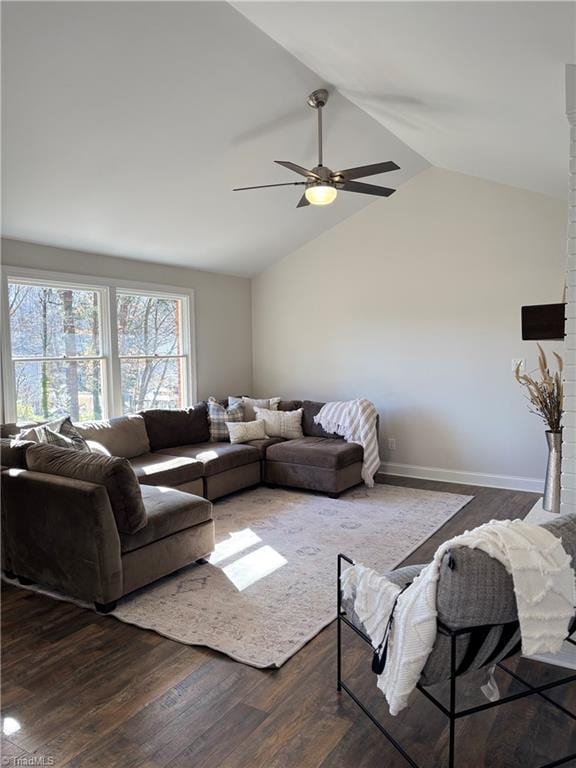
pixel 543 583
pixel 355 421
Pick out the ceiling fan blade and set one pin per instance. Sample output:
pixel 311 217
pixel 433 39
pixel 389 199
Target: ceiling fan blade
pixel 302 202
pixel 297 169
pixel 367 170
pixel 366 189
pixel 264 186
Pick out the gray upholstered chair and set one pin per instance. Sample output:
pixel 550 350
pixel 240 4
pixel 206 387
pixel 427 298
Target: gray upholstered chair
pixel 477 628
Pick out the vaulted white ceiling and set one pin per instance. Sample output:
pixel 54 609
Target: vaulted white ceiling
pixel 475 87
pixel 126 126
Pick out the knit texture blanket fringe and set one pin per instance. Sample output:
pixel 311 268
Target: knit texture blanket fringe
pixel 543 585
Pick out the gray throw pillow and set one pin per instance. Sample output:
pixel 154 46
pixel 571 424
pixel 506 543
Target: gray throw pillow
pixel 55 438
pixel 63 427
pixel 115 473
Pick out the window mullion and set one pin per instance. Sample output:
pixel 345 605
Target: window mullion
pixel 8 408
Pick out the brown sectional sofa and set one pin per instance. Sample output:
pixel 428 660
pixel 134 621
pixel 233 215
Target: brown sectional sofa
pixel 61 524
pixel 94 532
pixel 173 448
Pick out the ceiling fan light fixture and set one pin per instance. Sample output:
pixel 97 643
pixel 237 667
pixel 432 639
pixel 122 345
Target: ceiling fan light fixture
pixel 321 194
pixel 322 184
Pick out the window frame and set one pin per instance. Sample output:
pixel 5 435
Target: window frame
pixel 110 359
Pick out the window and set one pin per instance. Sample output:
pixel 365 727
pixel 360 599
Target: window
pixel 150 351
pixel 56 351
pixel 93 351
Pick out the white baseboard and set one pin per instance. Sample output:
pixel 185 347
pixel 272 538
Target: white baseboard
pixel 510 482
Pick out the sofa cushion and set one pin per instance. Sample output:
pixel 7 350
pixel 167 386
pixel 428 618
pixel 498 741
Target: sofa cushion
pixel 263 445
pixel 168 511
pixel 217 457
pixel 289 405
pixel 157 469
pixel 166 427
pixel 316 452
pixel 123 436
pixel 13 452
pixel 114 473
pixel 310 408
pixel 9 429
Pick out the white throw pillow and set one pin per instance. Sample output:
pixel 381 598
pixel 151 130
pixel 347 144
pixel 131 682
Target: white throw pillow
pixel 244 431
pixel 286 424
pixel 249 403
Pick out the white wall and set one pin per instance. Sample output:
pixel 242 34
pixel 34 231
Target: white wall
pixel 568 503
pixel 414 302
pixel 223 308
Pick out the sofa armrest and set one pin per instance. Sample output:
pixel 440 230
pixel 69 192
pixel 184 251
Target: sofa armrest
pixel 61 533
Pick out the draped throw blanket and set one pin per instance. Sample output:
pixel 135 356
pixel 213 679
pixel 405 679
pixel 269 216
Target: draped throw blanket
pixel 355 421
pixel 543 584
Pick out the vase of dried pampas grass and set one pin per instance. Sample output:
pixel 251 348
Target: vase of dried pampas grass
pixel 546 397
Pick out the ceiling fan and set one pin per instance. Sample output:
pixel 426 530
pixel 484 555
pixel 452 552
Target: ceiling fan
pixel 321 183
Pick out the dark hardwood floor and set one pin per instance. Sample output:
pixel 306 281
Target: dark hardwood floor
pixel 88 690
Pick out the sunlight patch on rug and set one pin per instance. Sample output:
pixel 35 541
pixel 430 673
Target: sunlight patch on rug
pixel 269 587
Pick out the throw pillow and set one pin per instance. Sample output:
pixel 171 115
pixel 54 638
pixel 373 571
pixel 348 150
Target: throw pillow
pixel 36 433
pixel 55 438
pixel 61 427
pixel 286 424
pixel 244 431
pixel 249 403
pixel 218 415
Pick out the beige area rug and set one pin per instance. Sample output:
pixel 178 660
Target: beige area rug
pixel 270 586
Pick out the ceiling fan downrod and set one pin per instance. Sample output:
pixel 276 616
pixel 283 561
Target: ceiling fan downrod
pixel 317 100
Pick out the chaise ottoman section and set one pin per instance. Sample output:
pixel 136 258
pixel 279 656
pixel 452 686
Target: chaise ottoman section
pixel 317 463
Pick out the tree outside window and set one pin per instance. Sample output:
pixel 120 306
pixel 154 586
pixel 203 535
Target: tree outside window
pixel 56 351
pixel 61 363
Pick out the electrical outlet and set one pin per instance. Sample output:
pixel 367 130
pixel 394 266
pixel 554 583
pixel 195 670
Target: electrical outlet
pixel 391 444
pixel 518 360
